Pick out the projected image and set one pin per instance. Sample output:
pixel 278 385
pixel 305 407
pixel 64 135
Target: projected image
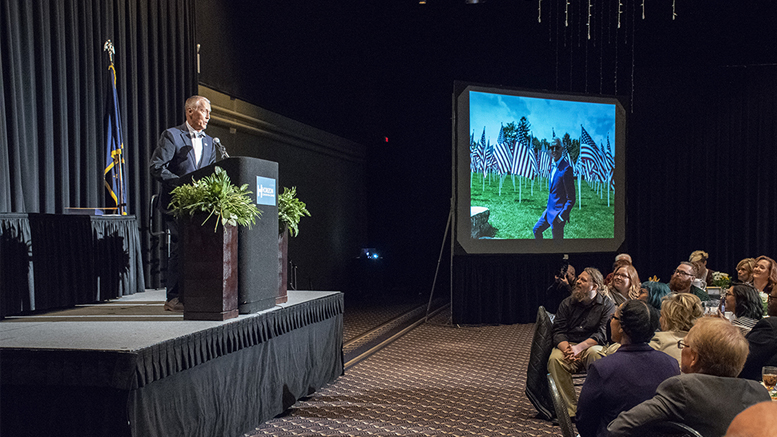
pixel 541 168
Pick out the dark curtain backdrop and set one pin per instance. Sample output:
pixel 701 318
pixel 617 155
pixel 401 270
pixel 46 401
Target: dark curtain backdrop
pixel 703 168
pixel 701 174
pixel 54 83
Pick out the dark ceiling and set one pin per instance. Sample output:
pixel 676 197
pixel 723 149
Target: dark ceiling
pixel 366 70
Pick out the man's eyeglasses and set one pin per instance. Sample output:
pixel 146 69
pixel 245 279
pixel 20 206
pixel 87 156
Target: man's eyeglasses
pixel 681 344
pixel 682 272
pixel 555 148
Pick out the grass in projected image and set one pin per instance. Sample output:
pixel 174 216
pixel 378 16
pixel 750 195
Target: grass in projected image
pixel 518 205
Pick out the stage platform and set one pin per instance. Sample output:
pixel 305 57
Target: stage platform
pixel 128 368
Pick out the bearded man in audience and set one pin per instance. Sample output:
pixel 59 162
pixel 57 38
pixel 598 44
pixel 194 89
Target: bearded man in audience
pixel 708 395
pixel 579 332
pixel 682 281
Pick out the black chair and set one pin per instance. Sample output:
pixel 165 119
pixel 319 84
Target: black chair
pixel 151 214
pixel 666 429
pixel 536 381
pixel 560 407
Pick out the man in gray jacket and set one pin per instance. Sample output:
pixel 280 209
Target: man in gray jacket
pixel 708 395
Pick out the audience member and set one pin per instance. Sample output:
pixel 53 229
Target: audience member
pixel 622 380
pixel 707 396
pixel 764 274
pixel 656 293
pixel 655 313
pixel 625 284
pixel 763 342
pixel 697 281
pixel 678 314
pixel 682 281
pixel 560 289
pixel 759 420
pixel 745 270
pixel 579 332
pixel 703 273
pixel 620 259
pixel 623 287
pixel 745 302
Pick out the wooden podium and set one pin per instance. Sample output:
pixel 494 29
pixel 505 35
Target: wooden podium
pixel 257 248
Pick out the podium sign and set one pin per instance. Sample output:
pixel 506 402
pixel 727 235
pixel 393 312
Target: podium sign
pixel 257 248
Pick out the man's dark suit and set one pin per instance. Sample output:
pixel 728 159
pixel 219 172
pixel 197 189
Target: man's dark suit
pixel 174 157
pixel 763 348
pixel 561 198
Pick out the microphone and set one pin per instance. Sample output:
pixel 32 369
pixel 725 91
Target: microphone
pixel 221 148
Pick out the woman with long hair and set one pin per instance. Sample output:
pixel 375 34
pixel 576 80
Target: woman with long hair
pixel 624 285
pixel 745 302
pixel 764 274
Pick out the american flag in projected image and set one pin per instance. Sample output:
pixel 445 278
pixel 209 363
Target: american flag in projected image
pixel 610 160
pixel 480 157
pixel 503 158
pixel 523 164
pixel 544 163
pixel 590 153
pixel 490 158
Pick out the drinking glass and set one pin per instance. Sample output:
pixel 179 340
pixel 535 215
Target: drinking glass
pixel 769 374
pixel 711 307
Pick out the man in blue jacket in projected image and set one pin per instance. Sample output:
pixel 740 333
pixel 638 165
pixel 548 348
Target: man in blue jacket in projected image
pixel 561 196
pixel 180 150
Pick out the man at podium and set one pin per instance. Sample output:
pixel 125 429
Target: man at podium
pixel 179 151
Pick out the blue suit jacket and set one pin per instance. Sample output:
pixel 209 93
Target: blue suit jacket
pixel 561 198
pixel 174 157
pixel 618 382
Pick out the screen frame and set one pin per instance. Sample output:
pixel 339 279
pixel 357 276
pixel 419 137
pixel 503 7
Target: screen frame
pixel 461 178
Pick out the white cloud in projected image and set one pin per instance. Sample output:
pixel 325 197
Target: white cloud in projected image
pixel 544 115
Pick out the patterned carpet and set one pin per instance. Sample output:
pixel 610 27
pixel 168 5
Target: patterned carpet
pixel 435 380
pixel 362 320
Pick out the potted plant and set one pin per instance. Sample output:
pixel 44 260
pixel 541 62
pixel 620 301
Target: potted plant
pixel 209 258
pixel 215 195
pixel 290 211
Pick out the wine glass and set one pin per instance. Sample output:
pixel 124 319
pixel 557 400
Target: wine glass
pixel 769 374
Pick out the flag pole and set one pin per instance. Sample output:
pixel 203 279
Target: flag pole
pixel 116 154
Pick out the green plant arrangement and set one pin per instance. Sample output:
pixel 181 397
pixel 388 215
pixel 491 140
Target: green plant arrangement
pixel 290 211
pixel 215 195
pixel 720 279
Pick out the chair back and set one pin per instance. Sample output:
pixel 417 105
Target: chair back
pixel 666 429
pixel 564 421
pixel 536 382
pixel 151 214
